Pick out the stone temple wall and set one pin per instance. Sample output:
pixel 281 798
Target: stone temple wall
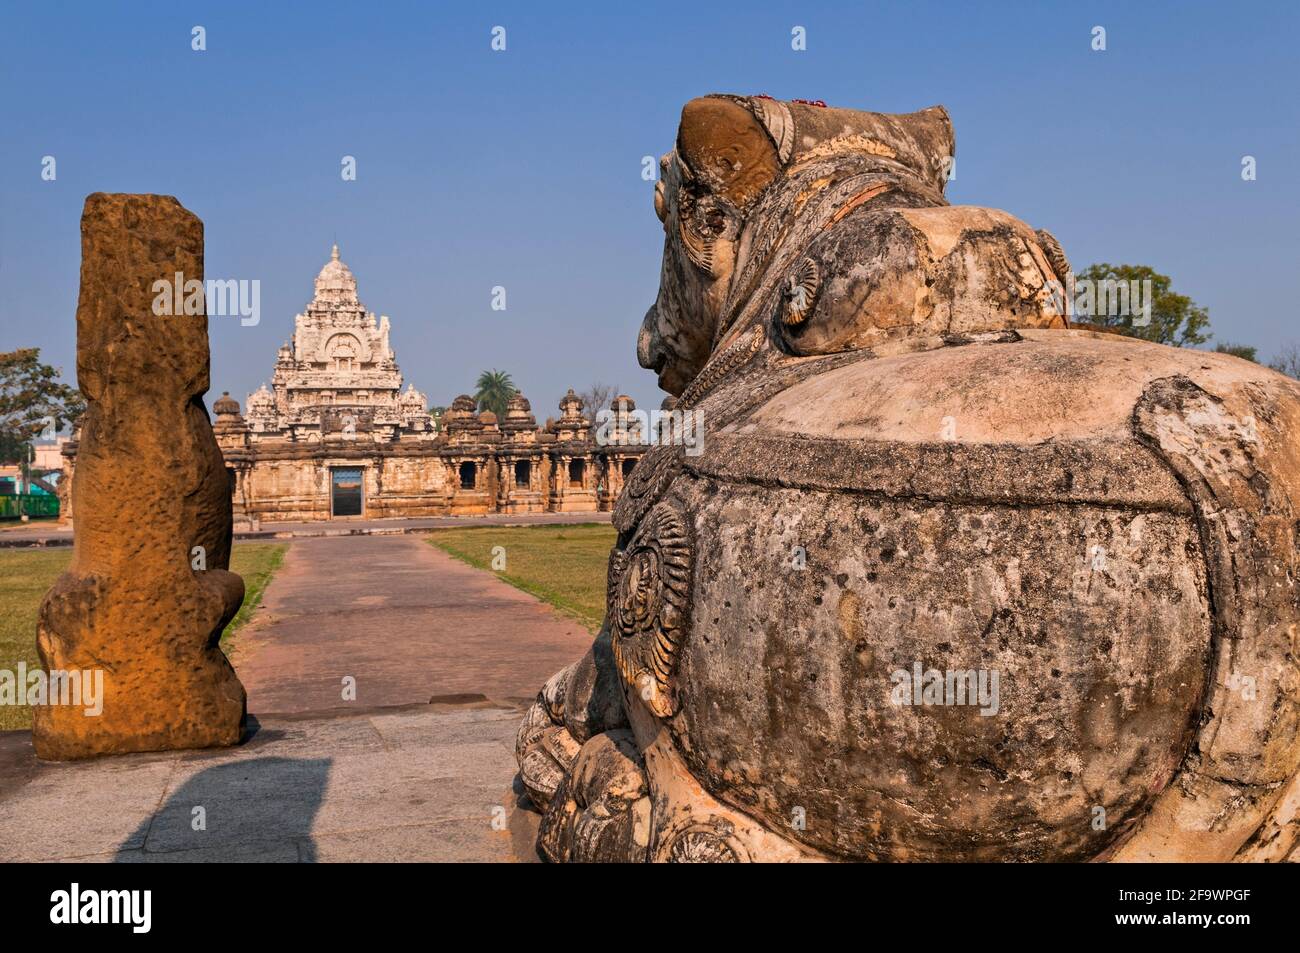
pixel 427 482
pixel 475 465
pixel 298 488
pixel 471 468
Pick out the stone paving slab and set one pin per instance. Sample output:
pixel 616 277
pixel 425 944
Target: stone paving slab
pixel 420 783
pixel 443 842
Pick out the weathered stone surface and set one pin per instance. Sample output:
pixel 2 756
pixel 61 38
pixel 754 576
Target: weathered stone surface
pixel 150 487
pixel 912 464
pixel 601 811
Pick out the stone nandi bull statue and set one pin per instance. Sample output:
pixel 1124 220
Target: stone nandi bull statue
pixel 950 580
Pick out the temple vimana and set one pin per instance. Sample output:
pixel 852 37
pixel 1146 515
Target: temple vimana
pixel 337 436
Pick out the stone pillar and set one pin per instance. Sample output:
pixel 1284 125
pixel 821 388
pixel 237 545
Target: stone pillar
pixel 610 467
pixel 144 601
pixel 238 512
pixel 65 481
pixel 243 512
pixel 505 481
pixel 560 482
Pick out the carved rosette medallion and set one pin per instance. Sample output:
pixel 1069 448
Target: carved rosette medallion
pixel 646 483
pixel 706 844
pixel 648 591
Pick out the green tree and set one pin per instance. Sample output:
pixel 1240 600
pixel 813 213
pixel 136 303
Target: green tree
pixel 32 400
pixel 495 388
pixel 436 413
pixel 1174 319
pixel 1238 350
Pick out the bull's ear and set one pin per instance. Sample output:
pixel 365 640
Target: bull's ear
pixel 727 149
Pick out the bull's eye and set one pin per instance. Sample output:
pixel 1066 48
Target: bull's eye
pixel 686 204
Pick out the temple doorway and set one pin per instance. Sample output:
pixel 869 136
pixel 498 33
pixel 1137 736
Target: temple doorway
pixel 468 475
pixel 345 491
pixel 577 474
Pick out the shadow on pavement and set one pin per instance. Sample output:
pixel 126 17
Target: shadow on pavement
pixel 247 810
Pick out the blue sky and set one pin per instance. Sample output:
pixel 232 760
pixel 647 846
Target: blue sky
pixel 523 168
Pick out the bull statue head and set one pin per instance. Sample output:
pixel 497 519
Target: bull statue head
pixel 828 227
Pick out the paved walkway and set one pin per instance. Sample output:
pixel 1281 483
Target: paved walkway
pixel 51 533
pixel 420 767
pixel 403 619
pixel 424 783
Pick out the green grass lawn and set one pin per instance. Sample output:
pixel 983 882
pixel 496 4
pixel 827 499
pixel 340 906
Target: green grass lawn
pixel 257 563
pixel 26 574
pixel 562 565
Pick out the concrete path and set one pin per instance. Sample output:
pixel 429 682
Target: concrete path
pixel 50 533
pixel 403 619
pixel 423 783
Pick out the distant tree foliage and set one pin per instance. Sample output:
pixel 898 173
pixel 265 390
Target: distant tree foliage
pixel 32 400
pixel 1238 350
pixel 1175 319
pixel 597 397
pixel 495 388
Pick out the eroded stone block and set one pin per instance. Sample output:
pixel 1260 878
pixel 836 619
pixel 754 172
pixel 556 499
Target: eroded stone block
pixel 148 591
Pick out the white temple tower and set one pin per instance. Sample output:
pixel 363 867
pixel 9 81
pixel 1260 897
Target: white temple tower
pixel 338 374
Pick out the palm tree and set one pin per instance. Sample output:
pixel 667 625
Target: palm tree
pixel 495 388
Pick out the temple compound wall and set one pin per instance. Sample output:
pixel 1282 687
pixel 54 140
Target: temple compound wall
pixel 475 465
pixel 335 437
